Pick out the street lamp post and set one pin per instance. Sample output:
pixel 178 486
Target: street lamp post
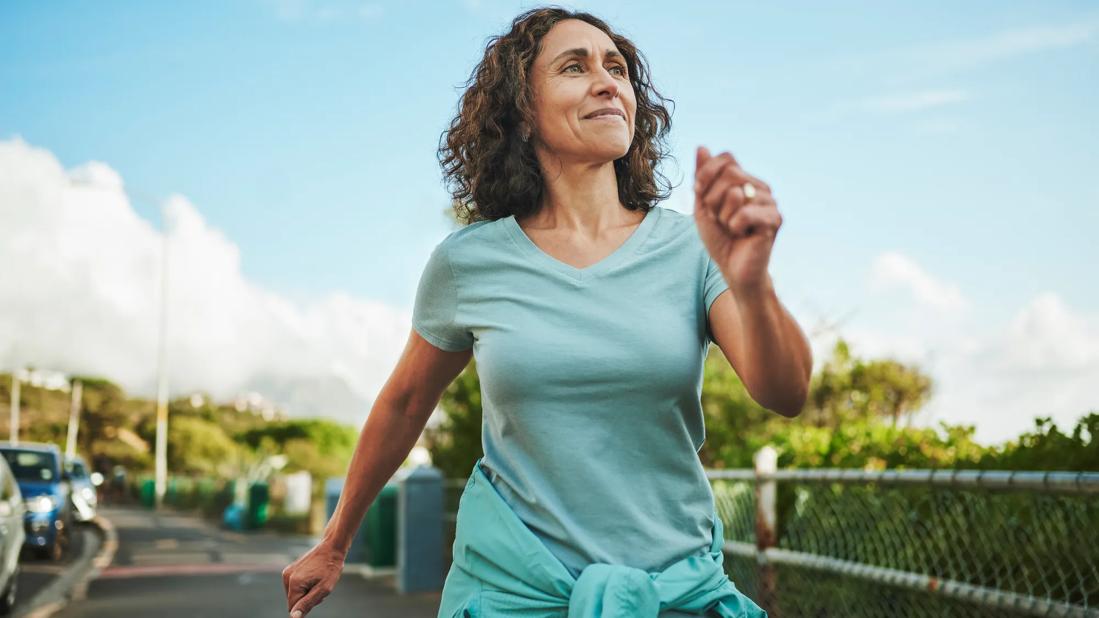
pixel 74 419
pixel 161 482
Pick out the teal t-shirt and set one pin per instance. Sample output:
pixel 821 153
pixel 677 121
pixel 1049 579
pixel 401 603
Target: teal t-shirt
pixel 591 381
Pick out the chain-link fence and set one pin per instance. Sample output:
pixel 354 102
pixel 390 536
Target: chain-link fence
pixel 936 543
pixel 927 543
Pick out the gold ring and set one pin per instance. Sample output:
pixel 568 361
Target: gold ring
pixel 749 191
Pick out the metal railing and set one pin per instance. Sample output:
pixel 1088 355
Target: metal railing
pixel 912 542
pixel 844 542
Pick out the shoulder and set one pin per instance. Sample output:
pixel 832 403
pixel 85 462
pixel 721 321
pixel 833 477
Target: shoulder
pixel 470 235
pixel 674 229
pixel 474 247
pixel 671 218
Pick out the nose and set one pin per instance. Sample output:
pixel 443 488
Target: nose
pixel 605 84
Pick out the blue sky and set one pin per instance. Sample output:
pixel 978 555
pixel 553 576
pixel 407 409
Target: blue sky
pixel 922 154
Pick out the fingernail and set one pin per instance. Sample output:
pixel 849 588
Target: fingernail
pixel 295 614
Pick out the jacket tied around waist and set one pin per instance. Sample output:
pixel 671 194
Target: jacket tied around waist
pixel 500 568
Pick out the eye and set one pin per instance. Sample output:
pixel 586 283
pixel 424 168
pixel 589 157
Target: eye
pixel 621 69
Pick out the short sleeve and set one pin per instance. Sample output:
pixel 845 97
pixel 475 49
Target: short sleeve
pixel 436 307
pixel 713 286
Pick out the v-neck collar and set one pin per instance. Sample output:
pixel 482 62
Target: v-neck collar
pixel 583 274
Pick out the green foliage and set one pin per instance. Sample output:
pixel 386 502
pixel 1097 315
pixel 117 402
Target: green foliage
pixel 850 389
pixel 455 444
pixel 1047 448
pixel 321 447
pixel 216 441
pixel 196 446
pixel 851 421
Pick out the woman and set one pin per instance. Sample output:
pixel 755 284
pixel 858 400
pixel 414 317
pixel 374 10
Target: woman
pixel 590 310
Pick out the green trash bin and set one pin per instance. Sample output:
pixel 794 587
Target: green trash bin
pixel 259 497
pixel 171 492
pixel 148 493
pixel 380 528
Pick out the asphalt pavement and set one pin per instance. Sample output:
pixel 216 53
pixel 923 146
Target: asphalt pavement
pixel 175 566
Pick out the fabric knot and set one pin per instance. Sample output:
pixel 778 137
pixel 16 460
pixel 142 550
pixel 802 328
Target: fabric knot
pixel 613 591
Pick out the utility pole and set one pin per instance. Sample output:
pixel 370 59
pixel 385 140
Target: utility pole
pixel 74 419
pixel 161 483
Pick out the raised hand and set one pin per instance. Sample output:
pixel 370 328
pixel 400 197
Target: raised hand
pixel 738 232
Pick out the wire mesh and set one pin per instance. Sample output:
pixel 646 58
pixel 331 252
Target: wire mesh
pixel 936 549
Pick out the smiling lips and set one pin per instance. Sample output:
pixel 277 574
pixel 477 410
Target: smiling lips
pixel 606 112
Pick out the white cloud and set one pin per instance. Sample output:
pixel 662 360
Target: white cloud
pixel 1003 45
pixel 936 59
pixel 913 101
pixel 81 294
pixel 895 270
pixel 999 377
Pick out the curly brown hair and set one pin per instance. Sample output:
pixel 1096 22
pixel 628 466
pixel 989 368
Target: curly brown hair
pixel 492 173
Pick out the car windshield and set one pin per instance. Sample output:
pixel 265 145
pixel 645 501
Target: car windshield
pixel 31 466
pixel 77 470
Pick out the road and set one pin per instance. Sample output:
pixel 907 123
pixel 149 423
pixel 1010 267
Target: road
pixel 176 566
pixel 37 574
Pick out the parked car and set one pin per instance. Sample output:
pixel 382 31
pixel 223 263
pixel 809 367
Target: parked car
pixel 45 488
pixel 84 496
pixel 12 535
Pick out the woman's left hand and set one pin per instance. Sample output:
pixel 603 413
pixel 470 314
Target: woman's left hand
pixel 737 232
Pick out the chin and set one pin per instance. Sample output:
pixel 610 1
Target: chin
pixel 613 154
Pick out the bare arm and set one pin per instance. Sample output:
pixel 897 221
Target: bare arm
pixel 395 422
pixel 765 346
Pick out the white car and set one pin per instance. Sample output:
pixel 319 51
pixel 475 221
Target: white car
pixel 12 535
pixel 85 498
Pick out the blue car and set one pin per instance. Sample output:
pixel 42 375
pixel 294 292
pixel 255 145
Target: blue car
pixel 46 494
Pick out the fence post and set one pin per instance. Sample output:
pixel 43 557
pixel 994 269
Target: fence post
pixel 420 530
pixel 766 462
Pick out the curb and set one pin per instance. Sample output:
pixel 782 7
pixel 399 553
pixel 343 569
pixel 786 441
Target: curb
pixel 102 559
pixel 73 585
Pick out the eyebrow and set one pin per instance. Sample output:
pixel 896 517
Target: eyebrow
pixel 583 53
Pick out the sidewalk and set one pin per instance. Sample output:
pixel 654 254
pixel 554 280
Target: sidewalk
pixel 171 565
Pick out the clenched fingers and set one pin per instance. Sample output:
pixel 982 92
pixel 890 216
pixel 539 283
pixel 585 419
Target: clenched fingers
pixel 309 601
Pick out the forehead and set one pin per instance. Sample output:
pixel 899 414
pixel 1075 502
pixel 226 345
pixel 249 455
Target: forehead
pixel 570 34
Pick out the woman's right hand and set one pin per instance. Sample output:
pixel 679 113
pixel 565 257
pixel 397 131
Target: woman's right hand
pixel 310 578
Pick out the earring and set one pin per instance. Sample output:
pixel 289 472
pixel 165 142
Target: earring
pixel 524 131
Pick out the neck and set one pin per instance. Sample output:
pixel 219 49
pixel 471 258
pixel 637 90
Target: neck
pixel 580 198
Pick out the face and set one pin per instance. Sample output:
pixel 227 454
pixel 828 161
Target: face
pixel 569 85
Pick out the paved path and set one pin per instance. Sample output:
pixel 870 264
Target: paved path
pixel 170 566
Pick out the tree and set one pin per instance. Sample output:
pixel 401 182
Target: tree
pixel 455 443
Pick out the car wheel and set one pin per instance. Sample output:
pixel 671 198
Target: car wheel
pixel 7 600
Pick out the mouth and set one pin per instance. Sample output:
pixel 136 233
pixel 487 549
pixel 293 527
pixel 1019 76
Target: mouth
pixel 606 113
pixel 608 117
